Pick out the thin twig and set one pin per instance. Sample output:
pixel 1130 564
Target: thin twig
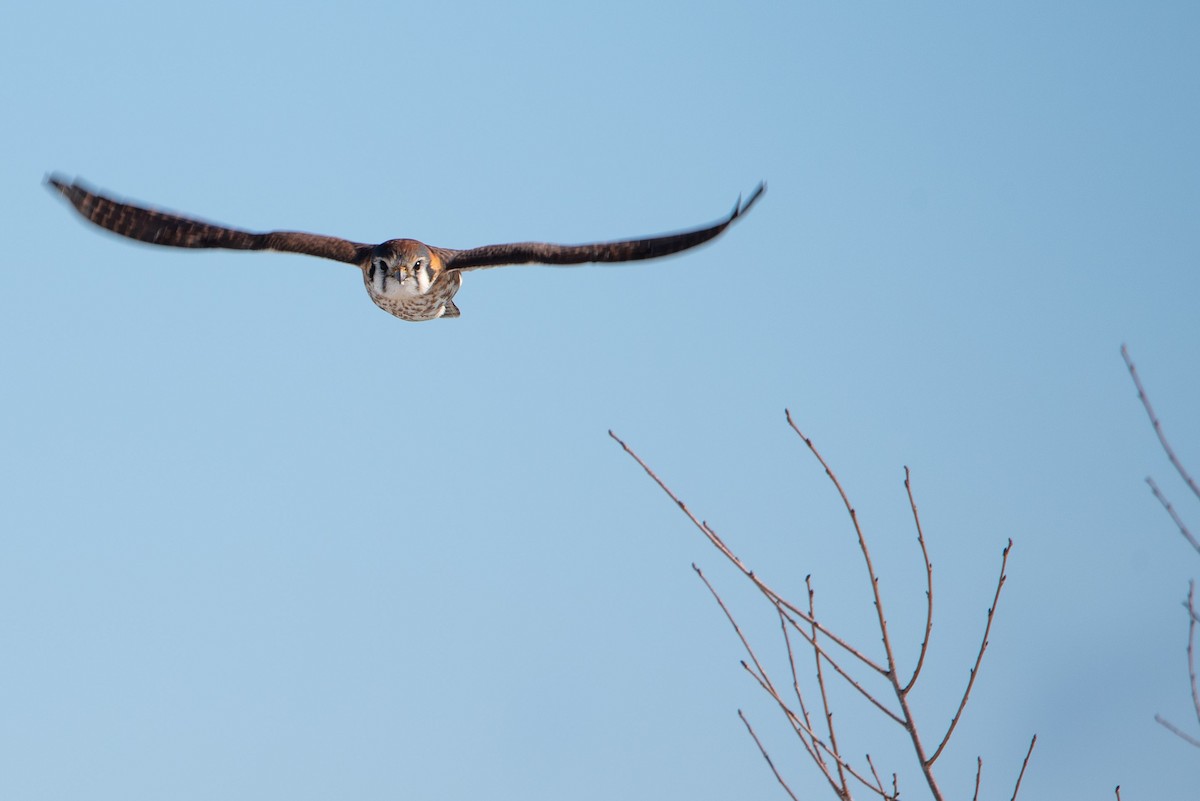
pixel 1193 621
pixel 790 616
pixel 815 754
pixel 767 757
pixel 841 671
pixel 1183 529
pixel 737 629
pixel 878 781
pixel 1158 430
pixel 797 724
pixel 812 613
pixel 1187 534
pixel 862 544
pixel 802 730
pixel 720 545
pixel 1166 724
pixel 1024 765
pixel 906 712
pixel 991 614
pixel 1191 646
pixel 776 598
pixel 812 744
pixel 1118 792
pixel 928 584
pixel 978 775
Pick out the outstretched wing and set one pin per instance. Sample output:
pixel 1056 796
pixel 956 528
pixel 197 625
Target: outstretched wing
pixel 627 250
pixel 160 228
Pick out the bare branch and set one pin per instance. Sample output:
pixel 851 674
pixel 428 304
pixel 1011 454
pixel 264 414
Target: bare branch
pixel 840 670
pixel 808 738
pixel 906 712
pixel 797 724
pixel 991 614
pixel 978 775
pixel 862 545
pixel 795 678
pixel 1024 765
pixel 1166 724
pixel 737 629
pixel 767 757
pixel 928 585
pixel 1183 529
pixel 1191 646
pixel 778 600
pixel 1193 621
pixel 821 684
pixel 1158 430
pixel 816 636
pixel 878 781
pixel 720 545
pixel 1190 605
pixel 803 729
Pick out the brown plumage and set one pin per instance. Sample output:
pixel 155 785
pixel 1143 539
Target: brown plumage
pixel 404 277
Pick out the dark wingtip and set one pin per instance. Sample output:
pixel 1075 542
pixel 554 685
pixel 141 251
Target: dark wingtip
pixel 56 182
pixel 741 208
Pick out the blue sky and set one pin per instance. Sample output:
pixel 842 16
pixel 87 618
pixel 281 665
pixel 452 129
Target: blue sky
pixel 261 540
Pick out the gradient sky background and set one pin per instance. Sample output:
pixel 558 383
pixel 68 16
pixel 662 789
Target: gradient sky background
pixel 261 540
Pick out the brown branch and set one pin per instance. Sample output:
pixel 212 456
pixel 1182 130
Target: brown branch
pixel 862 545
pixel 801 729
pixel 1193 618
pixel 978 775
pixel 812 744
pixel 791 616
pixel 767 757
pixel 737 629
pixel 1191 646
pixel 1158 430
pixel 928 584
pixel 795 721
pixel 1166 724
pixel 759 672
pixel 720 545
pixel 1024 765
pixel 906 712
pixel 787 640
pixel 778 600
pixel 1193 621
pixel 879 782
pixel 991 614
pixel 812 613
pixel 840 670
pixel 1183 529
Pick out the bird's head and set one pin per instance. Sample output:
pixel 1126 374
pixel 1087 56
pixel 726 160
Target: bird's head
pixel 402 267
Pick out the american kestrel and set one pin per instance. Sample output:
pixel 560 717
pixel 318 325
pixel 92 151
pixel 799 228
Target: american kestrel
pixel 404 277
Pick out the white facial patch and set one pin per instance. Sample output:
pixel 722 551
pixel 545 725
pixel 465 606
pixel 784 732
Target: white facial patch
pixel 403 285
pixel 423 279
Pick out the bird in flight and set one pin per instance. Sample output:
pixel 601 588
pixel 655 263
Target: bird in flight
pixel 404 277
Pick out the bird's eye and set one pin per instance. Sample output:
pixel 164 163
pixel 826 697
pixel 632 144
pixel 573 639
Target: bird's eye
pixel 418 264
